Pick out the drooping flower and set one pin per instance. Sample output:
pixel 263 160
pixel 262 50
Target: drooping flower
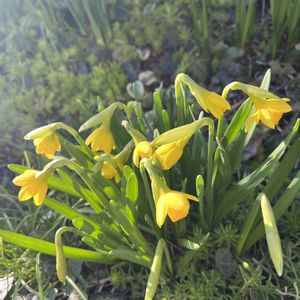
pixel 101 139
pixel 109 166
pixel 268 108
pixel 170 145
pixel 48 145
pixel 268 111
pixel 33 184
pixel 169 154
pixel 45 140
pixel 209 101
pixel 143 149
pixel 108 170
pixel 168 202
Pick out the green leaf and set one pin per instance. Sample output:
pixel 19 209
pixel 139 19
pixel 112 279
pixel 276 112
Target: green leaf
pixel 78 185
pixel 274 184
pixel 280 207
pixel 236 123
pixel 133 256
pixel 132 188
pixel 69 212
pixel 78 153
pixel 131 230
pixel 247 185
pixel 49 248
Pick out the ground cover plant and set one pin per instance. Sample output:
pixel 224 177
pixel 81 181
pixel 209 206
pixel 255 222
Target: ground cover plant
pixel 153 196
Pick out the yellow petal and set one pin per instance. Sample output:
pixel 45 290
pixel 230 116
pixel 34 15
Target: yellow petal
pixel 278 105
pixel 101 139
pixel 136 157
pixel 216 105
pixel 117 178
pixel 25 177
pixel 169 154
pixel 96 133
pixel 108 171
pixel 266 118
pixel 176 215
pixel 24 194
pixel 40 195
pixel 251 120
pixel 188 196
pixel 161 212
pixel 175 200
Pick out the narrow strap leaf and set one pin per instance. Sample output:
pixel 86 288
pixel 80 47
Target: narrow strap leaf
pixel 49 248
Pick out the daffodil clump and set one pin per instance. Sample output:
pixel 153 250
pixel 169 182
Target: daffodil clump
pixel 148 184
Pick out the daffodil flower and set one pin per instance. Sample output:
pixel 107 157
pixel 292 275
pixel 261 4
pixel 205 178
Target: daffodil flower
pixel 209 101
pixel 101 139
pixel 168 147
pixel 268 111
pixel 168 202
pixel 143 148
pixel 169 154
pixel 33 184
pixel 45 140
pixel 268 108
pixel 108 167
pixel 174 204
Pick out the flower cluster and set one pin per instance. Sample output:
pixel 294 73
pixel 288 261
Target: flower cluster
pixel 160 154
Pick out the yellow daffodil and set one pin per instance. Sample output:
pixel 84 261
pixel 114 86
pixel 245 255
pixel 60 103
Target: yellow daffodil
pixel 45 140
pixel 47 145
pixel 108 170
pixel 268 108
pixel 174 204
pixel 169 154
pixel 268 111
pixel 33 183
pixel 209 101
pixel 168 202
pixel 108 167
pixel 143 149
pixel 101 139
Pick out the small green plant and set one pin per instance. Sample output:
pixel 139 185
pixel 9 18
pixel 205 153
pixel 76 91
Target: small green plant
pixel 285 19
pixel 144 198
pixel 244 21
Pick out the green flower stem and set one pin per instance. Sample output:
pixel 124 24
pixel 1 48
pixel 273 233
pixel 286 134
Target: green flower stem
pixel 209 175
pixel 148 193
pixel 61 162
pixel 168 258
pixel 77 137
